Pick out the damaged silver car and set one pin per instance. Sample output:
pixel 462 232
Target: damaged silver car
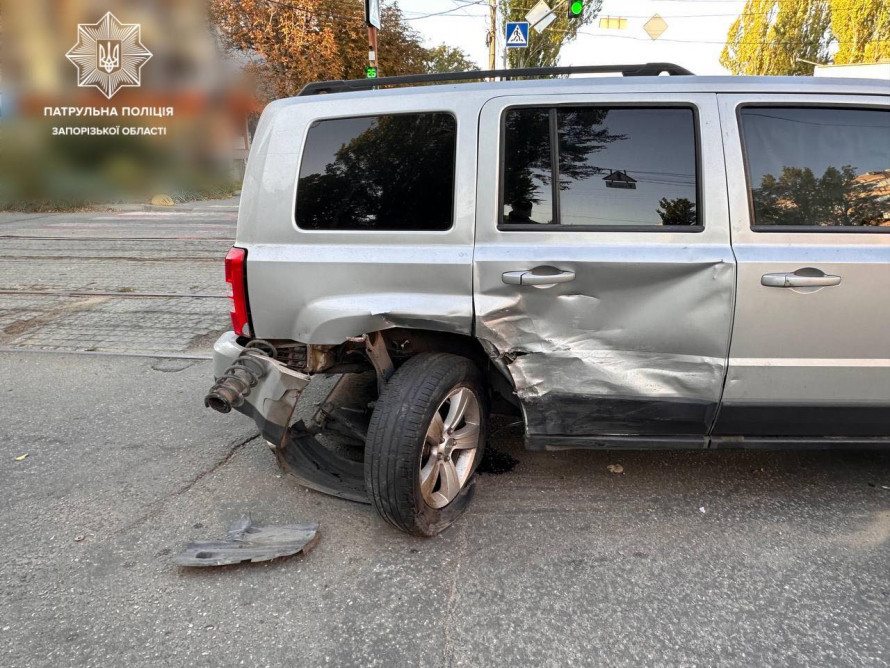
pixel 628 261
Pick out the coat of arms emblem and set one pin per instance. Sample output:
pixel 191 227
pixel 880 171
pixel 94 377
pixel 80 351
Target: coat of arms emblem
pixel 109 55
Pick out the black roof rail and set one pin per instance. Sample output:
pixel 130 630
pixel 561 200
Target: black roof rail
pixel 639 70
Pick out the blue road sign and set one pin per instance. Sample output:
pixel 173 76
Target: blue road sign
pixel 517 35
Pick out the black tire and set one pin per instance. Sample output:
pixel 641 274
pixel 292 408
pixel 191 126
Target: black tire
pixel 396 437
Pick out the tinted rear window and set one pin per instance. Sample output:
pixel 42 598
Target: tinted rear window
pixel 392 172
pixel 817 166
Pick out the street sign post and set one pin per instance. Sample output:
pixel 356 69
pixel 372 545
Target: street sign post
pixel 517 34
pixel 540 16
pixel 372 19
pixel 372 13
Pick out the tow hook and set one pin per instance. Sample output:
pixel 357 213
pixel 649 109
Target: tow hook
pixel 237 380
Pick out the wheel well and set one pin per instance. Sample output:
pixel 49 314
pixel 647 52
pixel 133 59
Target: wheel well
pixel 405 343
pixel 363 353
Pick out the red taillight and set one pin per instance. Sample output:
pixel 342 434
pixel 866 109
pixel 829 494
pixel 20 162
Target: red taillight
pixel 235 276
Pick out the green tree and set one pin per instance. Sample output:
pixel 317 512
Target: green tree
pixel 861 29
pixel 679 211
pixel 448 59
pixel 776 36
pixel 839 197
pixel 544 47
pixel 582 133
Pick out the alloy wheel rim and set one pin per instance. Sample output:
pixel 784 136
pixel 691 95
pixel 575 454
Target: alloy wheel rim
pixel 449 448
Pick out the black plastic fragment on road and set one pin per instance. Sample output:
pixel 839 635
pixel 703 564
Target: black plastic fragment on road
pixel 245 541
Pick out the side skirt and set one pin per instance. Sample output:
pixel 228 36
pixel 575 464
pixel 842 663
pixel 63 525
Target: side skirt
pixel 538 442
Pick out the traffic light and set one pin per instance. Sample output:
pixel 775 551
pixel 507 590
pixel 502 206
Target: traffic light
pixel 370 72
pixel 576 9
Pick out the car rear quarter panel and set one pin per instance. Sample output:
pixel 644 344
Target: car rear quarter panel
pixel 324 286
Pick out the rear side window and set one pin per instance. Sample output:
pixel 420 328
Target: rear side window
pixel 600 167
pixel 818 167
pixel 390 172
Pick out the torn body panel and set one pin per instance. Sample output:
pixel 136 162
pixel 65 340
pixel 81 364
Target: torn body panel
pixel 627 348
pixel 270 401
pixel 246 541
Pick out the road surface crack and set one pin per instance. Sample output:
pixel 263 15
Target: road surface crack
pixel 156 506
pixel 451 604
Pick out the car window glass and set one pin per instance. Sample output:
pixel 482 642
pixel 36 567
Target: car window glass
pixel 618 167
pixel 817 166
pixel 527 189
pixel 391 172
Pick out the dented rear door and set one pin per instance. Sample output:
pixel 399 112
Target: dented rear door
pixel 608 298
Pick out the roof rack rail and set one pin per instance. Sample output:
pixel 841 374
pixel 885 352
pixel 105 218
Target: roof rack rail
pixel 639 70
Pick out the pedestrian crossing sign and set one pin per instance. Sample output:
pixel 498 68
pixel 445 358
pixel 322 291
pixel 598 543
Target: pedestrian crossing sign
pixel 517 34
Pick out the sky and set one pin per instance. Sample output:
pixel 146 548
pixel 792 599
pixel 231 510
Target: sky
pixel 694 38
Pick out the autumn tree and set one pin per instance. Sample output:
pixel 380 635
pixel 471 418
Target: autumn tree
pixel 777 36
pixel 544 47
pixel 287 44
pixel 861 29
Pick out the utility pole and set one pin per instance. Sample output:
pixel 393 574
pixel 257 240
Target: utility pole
pixel 492 34
pixel 372 20
pixel 372 47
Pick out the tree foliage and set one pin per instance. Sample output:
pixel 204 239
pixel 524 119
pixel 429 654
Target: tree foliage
pixel 582 133
pixel 776 36
pixel 445 58
pixel 544 47
pixel 679 211
pixel 386 177
pixel 862 30
pixel 291 43
pixel 798 197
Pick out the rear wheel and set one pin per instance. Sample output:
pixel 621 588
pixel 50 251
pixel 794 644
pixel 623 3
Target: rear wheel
pixel 426 437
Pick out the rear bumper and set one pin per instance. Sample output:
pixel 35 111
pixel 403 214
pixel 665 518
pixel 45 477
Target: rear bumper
pixel 254 384
pixel 267 391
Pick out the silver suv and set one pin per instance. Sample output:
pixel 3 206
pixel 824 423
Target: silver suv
pixel 624 262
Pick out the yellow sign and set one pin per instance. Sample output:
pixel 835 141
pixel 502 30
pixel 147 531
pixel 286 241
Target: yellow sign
pixel 655 26
pixel 613 23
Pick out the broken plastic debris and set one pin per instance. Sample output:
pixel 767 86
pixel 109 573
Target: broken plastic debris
pixel 615 468
pixel 245 541
pixel 702 509
pixel 21 457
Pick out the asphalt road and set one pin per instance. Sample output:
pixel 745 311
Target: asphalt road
pixel 684 559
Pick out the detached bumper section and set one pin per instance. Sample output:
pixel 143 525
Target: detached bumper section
pixel 250 380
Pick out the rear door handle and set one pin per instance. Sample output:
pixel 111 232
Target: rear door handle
pixel 798 281
pixel 529 277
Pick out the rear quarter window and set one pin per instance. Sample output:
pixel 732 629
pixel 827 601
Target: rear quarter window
pixel 817 168
pixel 376 173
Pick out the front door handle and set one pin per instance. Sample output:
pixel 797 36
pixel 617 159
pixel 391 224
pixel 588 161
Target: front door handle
pixel 531 277
pixel 798 281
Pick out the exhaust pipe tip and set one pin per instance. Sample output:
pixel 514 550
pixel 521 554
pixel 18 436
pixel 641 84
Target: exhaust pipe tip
pixel 218 403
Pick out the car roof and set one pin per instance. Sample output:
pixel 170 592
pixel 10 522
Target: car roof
pixel 638 84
